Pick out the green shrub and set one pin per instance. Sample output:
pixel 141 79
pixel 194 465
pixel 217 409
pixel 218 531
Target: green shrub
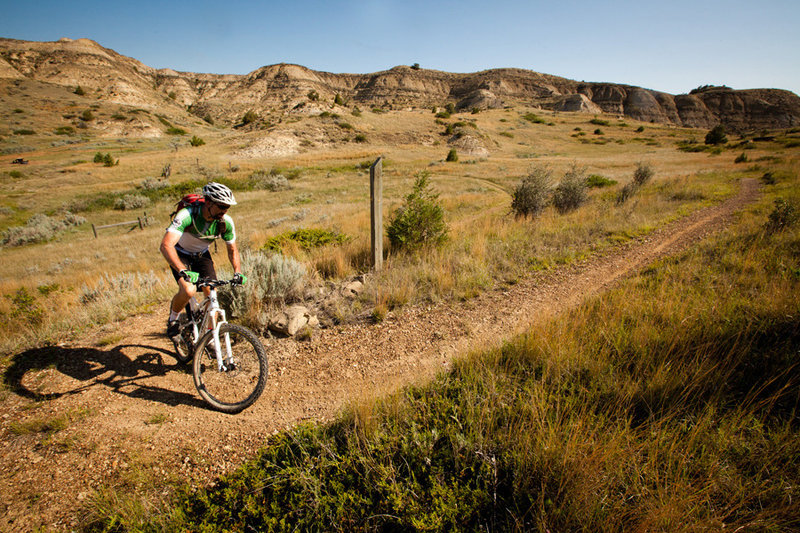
pixel 360 138
pixel 742 158
pixel 345 125
pixel 452 156
pixel 597 181
pixel 356 112
pixel 599 122
pixel 25 307
pixel 108 161
pixel 118 116
pixel 98 157
pixel 598 131
pixel 338 100
pixel 642 174
pixel 196 141
pixel 784 214
pixel 691 146
pixel 313 95
pixel 716 135
pixel 176 131
pixel 570 193
pixel 24 132
pixel 79 91
pixel 420 220
pixel 87 115
pixel 533 193
pixel 65 130
pixel 16 174
pixel 306 238
pixel 249 117
pixel 640 129
pixel 533 118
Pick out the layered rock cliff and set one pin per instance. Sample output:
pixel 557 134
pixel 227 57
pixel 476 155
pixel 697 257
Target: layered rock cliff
pixel 124 80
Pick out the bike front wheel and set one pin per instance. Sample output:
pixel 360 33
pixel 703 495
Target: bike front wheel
pixel 244 374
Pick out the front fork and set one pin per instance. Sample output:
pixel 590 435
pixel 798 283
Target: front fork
pixel 224 360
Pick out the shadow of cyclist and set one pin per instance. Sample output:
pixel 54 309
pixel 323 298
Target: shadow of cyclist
pixel 92 367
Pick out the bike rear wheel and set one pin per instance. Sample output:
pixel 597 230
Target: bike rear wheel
pixel 233 388
pixel 183 344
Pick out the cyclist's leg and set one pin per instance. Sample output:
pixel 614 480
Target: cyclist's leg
pixel 185 292
pixel 204 265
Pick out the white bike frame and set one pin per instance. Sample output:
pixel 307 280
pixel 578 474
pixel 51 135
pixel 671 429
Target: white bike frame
pixel 213 318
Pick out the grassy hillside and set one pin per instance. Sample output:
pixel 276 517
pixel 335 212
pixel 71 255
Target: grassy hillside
pixel 49 284
pixel 668 404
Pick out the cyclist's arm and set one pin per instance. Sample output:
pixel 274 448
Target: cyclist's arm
pixel 168 250
pixel 233 257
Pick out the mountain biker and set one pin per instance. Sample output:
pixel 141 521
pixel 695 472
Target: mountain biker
pixel 185 246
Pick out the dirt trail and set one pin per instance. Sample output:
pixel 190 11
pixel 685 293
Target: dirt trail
pixel 134 415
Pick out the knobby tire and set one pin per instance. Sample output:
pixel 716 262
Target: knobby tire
pixel 234 390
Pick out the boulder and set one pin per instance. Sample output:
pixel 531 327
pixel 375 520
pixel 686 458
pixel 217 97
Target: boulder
pixel 352 289
pixel 293 319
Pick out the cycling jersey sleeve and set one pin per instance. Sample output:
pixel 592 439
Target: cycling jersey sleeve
pixel 181 221
pixel 229 234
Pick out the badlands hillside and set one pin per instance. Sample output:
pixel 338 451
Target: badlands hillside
pixel 273 91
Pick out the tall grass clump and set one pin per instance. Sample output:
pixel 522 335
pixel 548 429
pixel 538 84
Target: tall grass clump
pixel 420 220
pixel 56 313
pixel 533 193
pixel 642 174
pixel 667 404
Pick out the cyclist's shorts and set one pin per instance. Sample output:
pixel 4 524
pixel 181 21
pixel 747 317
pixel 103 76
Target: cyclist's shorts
pixel 200 263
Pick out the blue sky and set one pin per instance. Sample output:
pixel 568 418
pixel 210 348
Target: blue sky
pixel 672 46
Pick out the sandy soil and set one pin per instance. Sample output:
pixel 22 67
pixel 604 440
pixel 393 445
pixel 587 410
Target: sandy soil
pixel 133 417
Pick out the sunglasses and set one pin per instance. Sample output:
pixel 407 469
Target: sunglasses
pixel 221 207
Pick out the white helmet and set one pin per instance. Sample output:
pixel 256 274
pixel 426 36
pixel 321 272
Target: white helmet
pixel 219 193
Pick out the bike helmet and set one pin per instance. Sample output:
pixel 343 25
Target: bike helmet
pixel 219 193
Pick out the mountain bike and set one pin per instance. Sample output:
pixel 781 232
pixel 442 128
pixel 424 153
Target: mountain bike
pixel 229 362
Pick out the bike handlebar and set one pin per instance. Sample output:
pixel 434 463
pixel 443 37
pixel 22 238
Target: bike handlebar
pixel 205 282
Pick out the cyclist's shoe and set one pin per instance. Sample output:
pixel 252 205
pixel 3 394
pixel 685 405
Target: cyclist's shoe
pixel 174 330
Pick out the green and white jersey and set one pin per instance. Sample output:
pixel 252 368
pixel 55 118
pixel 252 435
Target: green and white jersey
pixel 197 233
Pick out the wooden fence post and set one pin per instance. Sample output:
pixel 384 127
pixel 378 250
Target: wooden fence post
pixel 376 212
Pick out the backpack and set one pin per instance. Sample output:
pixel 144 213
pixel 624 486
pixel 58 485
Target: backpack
pixel 196 201
pixel 190 200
